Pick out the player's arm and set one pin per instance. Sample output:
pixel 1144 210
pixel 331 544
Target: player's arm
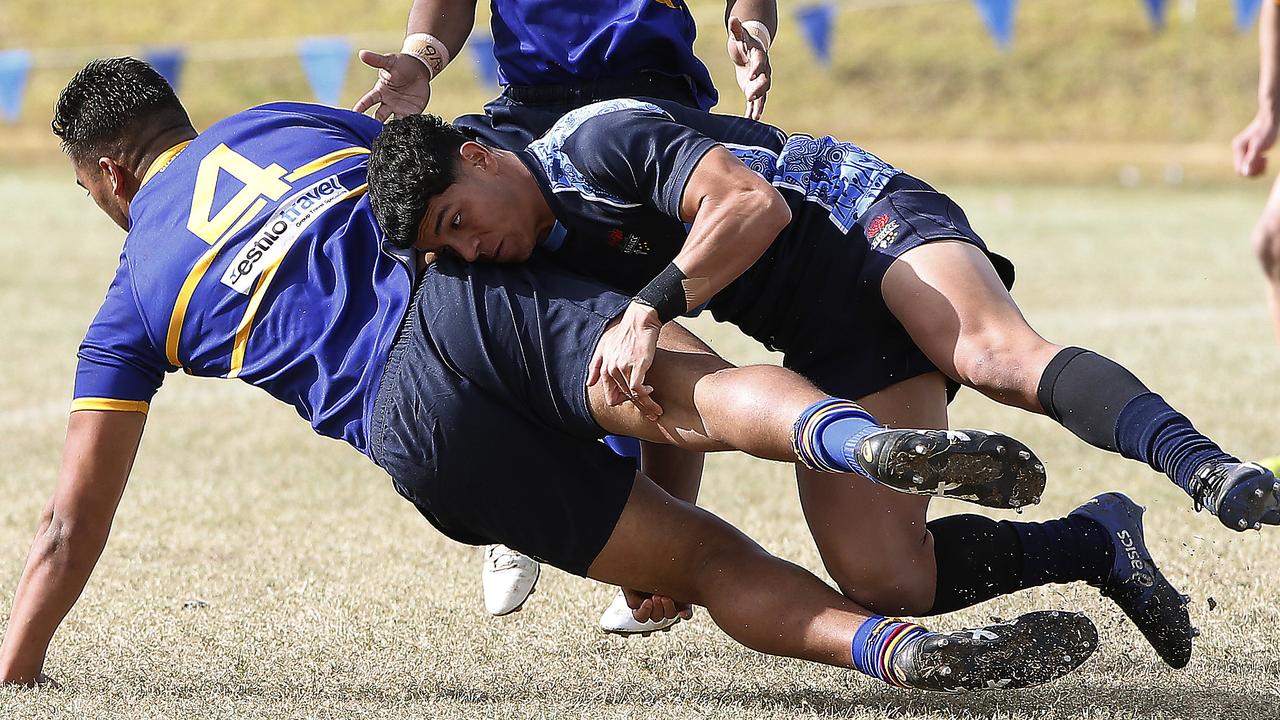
pixel 434 35
pixel 96 460
pixel 752 25
pixel 1251 145
pixel 734 214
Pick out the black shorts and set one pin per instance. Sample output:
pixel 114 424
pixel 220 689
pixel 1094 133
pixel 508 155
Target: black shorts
pixel 482 419
pixel 821 301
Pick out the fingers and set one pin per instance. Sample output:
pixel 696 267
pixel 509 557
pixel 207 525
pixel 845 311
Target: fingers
pixel 593 373
pixel 640 394
pixel 371 98
pixel 383 113
pixel 375 60
pixel 738 32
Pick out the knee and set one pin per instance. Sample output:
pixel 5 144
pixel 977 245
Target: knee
pixel 891 583
pixel 1266 244
pixel 1002 361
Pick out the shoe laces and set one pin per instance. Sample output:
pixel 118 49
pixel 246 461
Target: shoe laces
pixel 502 557
pixel 1206 484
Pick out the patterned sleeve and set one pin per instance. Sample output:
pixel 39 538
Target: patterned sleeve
pixel 119 367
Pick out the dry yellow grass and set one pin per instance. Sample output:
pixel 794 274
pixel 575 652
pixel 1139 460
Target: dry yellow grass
pixel 256 571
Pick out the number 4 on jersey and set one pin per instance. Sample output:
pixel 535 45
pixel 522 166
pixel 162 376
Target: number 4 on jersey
pixel 259 182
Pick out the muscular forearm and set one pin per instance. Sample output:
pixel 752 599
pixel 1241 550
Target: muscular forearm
pixel 764 11
pixel 730 232
pixel 58 566
pixel 449 20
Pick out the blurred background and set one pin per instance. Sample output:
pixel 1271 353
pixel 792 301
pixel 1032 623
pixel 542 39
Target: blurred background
pixel 1132 91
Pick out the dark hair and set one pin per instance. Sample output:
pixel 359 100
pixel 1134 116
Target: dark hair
pixel 414 159
pixel 100 111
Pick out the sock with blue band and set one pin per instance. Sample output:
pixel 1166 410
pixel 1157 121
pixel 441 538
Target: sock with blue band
pixel 828 434
pixel 874 645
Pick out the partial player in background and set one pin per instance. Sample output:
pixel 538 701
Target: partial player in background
pixel 554 56
pixel 1250 149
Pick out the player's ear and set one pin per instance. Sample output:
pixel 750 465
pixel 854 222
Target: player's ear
pixel 473 153
pixel 123 184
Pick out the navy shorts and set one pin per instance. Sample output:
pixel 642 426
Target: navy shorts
pixel 834 327
pixel 482 417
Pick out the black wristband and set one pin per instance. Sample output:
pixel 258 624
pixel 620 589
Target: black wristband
pixel 665 293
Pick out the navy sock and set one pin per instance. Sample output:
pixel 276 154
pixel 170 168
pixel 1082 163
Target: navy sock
pixel 1153 432
pixel 828 433
pixel 1065 550
pixel 979 559
pixel 1108 407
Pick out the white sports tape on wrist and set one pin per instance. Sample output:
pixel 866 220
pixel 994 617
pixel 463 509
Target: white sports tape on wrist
pixel 761 32
pixel 429 49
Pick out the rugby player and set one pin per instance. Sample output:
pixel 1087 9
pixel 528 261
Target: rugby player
pixel 252 253
pixel 1250 149
pixel 876 288
pixel 554 56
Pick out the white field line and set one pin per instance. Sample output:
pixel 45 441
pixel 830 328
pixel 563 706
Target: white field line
pixel 1137 317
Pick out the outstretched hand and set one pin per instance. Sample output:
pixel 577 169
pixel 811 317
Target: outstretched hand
pixel 623 356
pixel 1250 147
pixel 403 87
pixel 751 64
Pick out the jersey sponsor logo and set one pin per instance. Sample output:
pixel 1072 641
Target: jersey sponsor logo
pixel 279 232
pixel 628 243
pixel 882 231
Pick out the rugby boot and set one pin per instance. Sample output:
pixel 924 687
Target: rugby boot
pixel 1243 495
pixel 509 579
pixel 1029 650
pixel 1136 584
pixel 979 466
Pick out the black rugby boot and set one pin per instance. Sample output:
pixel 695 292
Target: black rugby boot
pixel 1136 584
pixel 1029 650
pixel 980 466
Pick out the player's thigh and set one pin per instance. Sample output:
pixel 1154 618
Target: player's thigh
pixel 660 545
pixel 956 308
pixel 873 540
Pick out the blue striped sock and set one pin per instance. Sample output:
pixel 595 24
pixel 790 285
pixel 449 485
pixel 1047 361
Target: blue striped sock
pixel 828 433
pixel 874 645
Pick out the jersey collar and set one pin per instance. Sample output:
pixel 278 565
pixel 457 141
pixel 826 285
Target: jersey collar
pixel 162 161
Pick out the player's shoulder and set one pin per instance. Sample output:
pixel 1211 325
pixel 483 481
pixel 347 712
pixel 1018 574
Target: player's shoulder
pixel 295 116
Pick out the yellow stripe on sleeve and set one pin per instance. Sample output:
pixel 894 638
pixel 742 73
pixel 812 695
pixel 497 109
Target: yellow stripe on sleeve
pixel 94 403
pixel 325 161
pixel 259 292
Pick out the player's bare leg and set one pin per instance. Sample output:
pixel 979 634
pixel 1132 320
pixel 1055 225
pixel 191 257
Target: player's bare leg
pixel 847 515
pixel 773 413
pixel 776 607
pixel 1266 247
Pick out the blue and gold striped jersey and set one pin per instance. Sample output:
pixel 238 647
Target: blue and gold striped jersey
pixel 252 253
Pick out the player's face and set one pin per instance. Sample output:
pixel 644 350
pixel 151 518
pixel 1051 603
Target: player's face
pixel 487 215
pixel 97 182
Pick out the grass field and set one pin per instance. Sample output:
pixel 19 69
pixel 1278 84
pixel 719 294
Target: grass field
pixel 258 571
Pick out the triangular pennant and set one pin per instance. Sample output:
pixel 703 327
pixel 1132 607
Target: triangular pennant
pixel 168 62
pixel 815 23
pixel 325 60
pixel 486 63
pixel 15 66
pixel 998 17
pixel 1246 13
pixel 1155 11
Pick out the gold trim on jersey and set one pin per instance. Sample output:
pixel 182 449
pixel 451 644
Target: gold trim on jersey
pixel 241 344
pixel 162 161
pixel 95 403
pixel 325 161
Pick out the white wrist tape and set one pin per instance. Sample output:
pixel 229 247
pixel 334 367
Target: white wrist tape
pixel 429 49
pixel 761 32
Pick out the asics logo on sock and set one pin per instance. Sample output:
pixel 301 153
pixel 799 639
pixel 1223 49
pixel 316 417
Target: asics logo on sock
pixel 1141 574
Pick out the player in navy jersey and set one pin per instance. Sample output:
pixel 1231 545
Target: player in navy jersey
pixel 554 56
pixel 872 284
pixel 252 253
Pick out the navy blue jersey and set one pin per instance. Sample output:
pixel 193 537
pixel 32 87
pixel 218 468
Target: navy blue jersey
pixel 614 174
pixel 253 253
pixel 555 42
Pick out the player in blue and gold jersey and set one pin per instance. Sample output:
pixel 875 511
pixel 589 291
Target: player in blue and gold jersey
pixel 252 253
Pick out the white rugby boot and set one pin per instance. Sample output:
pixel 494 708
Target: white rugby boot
pixel 509 578
pixel 618 620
